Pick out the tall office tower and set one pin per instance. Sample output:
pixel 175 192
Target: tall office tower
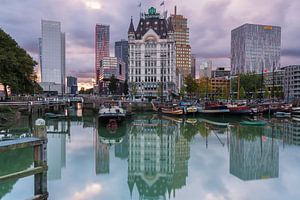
pixel 152 56
pixel 101 47
pixel 121 52
pixel 52 57
pixel 183 48
pixel 255 48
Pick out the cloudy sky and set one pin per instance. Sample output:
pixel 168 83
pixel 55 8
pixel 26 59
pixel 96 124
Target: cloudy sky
pixel 210 23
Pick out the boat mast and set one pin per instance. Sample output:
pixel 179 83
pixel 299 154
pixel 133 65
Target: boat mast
pixel 238 86
pixel 273 86
pixel 262 82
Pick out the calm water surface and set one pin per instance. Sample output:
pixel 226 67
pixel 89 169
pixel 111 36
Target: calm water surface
pixel 152 157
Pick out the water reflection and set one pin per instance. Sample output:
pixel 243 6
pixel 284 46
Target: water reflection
pixel 11 162
pixel 253 155
pixel 107 136
pixel 158 156
pixel 57 132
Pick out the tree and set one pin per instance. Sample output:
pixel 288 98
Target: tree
pixel 113 84
pixel 242 93
pixel 182 92
pixel 133 89
pixel 125 89
pixel 250 82
pixel 267 93
pixel 204 87
pixel 190 85
pixel 16 67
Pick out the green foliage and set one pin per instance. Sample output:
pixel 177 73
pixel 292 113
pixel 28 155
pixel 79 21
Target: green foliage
pixel 242 93
pixel 204 87
pixel 133 89
pixel 182 92
pixel 125 88
pixel 250 82
pixel 159 90
pixel 267 93
pixel 190 85
pixel 113 84
pixel 16 67
pixel 86 91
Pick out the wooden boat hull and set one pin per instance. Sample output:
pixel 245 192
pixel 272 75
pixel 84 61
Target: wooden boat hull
pixel 172 111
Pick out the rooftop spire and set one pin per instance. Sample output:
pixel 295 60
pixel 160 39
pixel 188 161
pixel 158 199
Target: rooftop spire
pixel 131 27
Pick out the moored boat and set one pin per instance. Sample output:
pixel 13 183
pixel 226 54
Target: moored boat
pixel 111 112
pixel 214 108
pixel 239 109
pixel 253 123
pixel 282 114
pixel 225 124
pixel 191 109
pixel 296 111
pixel 172 111
pixel 296 119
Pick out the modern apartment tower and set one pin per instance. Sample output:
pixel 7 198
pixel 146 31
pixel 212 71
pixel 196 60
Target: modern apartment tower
pixel 101 47
pixel 121 52
pixel 52 57
pixel 183 48
pixel 292 83
pixel 255 48
pixel 152 61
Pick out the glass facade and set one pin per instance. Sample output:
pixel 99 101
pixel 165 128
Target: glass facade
pixel 255 48
pixel 101 47
pixel 121 52
pixel 52 54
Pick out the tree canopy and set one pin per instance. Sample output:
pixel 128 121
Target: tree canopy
pixel 250 82
pixel 190 85
pixel 16 67
pixel 113 84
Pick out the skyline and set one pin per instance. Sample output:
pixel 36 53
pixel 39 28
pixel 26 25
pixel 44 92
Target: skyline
pixel 210 24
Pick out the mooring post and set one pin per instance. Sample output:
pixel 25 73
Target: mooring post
pixel 40 158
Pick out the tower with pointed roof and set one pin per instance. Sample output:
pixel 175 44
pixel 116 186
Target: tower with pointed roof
pixel 152 59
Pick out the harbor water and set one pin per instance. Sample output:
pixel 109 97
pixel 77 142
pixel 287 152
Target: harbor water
pixel 158 157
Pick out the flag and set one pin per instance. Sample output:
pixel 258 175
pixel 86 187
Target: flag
pixel 140 5
pixel 162 3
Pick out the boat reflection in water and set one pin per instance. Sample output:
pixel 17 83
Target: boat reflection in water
pixel 158 157
pixel 254 153
pixel 107 135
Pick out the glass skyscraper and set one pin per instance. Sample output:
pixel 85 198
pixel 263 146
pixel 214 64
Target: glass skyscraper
pixel 52 57
pixel 101 47
pixel 255 48
pixel 121 52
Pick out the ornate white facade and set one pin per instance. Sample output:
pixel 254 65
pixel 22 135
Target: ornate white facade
pixel 152 56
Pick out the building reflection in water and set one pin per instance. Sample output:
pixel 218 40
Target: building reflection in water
pixel 158 157
pixel 291 132
pixel 57 133
pixel 253 155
